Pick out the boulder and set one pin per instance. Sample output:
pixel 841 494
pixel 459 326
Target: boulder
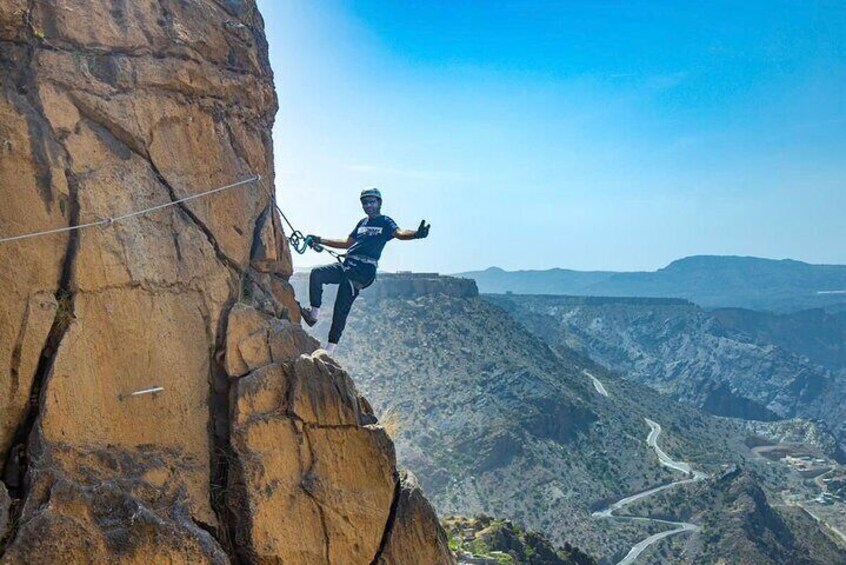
pixel 277 521
pixel 352 478
pixel 283 293
pixel 323 393
pixel 288 341
pixel 246 335
pixel 264 392
pixel 255 339
pixel 313 486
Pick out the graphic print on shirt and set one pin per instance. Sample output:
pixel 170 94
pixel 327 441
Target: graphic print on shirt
pixel 369 231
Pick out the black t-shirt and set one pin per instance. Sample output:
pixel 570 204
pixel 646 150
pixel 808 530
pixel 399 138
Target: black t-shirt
pixel 371 235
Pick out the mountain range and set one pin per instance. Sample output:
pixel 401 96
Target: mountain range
pixel 725 367
pixel 708 280
pixel 494 420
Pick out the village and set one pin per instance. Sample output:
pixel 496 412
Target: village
pixel 816 483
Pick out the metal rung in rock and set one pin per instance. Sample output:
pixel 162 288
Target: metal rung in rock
pixel 151 390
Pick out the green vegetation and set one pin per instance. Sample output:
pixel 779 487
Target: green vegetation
pixel 246 293
pixel 508 544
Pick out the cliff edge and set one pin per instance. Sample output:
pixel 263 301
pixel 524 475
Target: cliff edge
pixel 160 401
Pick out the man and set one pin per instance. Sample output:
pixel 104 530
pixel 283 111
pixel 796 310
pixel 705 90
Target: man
pixel 364 247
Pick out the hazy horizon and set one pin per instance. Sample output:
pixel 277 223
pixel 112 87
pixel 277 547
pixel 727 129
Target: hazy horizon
pixel 302 268
pixel 660 267
pixel 543 135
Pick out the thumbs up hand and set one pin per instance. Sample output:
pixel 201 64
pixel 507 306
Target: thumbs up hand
pixel 422 230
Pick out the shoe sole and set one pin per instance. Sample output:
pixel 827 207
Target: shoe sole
pixel 307 318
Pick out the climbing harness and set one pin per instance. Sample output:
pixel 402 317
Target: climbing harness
pixel 105 222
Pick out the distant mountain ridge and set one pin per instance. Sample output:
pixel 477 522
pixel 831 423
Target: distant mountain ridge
pixel 710 281
pixel 729 369
pixel 816 333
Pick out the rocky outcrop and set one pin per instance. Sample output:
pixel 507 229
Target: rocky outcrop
pixel 414 285
pixel 255 339
pixel 307 466
pixel 154 366
pixel 409 286
pixel 497 537
pixel 414 521
pixel 312 479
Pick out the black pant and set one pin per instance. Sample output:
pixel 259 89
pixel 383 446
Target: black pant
pixel 350 278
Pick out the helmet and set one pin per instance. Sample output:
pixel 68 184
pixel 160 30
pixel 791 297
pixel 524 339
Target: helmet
pixel 370 193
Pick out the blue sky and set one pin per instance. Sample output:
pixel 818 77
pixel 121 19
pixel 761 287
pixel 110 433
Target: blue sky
pixel 585 135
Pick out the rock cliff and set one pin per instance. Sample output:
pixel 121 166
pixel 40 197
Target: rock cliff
pixel 412 285
pixel 399 285
pixel 687 352
pixel 160 402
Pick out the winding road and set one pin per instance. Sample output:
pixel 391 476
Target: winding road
pixel 652 441
pixel 667 461
pixel 597 384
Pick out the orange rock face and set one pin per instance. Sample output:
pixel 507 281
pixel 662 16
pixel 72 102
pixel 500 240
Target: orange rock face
pixel 160 403
pixel 316 490
pixel 410 539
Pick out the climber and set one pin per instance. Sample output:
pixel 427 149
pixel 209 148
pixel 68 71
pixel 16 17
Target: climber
pixel 358 271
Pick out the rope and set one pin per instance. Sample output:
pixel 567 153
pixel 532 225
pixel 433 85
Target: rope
pixel 297 240
pixel 110 220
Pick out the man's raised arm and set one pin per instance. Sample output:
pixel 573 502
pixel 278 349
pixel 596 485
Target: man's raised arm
pixel 421 232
